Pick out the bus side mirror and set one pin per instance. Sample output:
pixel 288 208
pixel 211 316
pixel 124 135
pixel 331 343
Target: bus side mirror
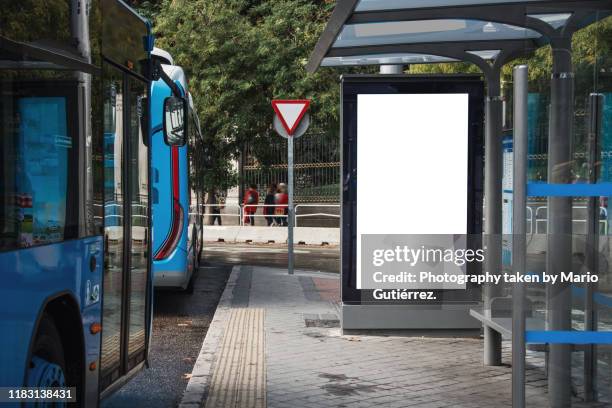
pixel 175 121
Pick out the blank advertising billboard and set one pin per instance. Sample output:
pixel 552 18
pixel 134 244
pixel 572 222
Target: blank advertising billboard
pixel 412 165
pixel 411 188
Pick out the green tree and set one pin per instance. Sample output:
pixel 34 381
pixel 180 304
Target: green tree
pixel 147 8
pixel 238 55
pixel 31 20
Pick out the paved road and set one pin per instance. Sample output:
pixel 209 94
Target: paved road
pixel 317 258
pixel 179 326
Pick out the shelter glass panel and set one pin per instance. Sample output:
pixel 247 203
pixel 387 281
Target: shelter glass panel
pixel 601 74
pixel 583 309
pixel 378 59
pixel 370 5
pixel 425 31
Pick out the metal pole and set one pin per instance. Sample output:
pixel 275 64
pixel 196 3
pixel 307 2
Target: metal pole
pixel 519 229
pixel 290 205
pixel 592 242
pixel 493 210
pixel 559 243
pixel 391 69
pixel 241 181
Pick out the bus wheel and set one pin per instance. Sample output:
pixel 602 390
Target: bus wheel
pixel 200 254
pixel 190 285
pixel 46 367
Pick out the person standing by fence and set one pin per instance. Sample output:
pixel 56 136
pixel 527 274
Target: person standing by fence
pixel 217 202
pixel 251 199
pixel 281 199
pixel 269 202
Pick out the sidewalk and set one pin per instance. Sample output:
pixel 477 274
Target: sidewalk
pixel 275 342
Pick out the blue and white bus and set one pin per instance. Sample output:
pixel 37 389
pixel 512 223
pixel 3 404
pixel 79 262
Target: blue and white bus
pixel 177 231
pixel 75 238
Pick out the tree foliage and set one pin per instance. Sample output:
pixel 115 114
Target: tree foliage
pixel 240 54
pixel 30 20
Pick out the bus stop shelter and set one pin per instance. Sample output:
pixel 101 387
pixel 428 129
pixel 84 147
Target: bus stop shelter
pixel 488 34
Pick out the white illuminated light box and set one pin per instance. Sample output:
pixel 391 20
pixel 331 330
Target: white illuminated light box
pixel 412 165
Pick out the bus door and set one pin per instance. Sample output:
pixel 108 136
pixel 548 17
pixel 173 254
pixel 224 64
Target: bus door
pixel 126 226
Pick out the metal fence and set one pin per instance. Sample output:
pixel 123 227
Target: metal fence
pixel 537 216
pixel 232 211
pixel 579 219
pixel 317 168
pixel 537 219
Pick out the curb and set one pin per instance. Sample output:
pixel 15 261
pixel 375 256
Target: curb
pixel 196 392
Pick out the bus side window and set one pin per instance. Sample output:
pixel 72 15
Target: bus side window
pixel 35 189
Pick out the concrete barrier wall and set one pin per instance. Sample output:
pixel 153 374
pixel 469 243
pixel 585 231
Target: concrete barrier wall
pixel 278 235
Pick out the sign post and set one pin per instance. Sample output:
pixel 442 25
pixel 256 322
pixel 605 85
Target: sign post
pixel 291 120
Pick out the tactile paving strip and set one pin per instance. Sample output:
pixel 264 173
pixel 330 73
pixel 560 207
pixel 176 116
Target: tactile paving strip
pixel 239 377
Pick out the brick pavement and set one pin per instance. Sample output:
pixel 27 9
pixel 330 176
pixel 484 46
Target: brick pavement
pixel 314 366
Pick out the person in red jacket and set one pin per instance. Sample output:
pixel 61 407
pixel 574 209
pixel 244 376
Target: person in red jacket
pixel 251 199
pixel 281 199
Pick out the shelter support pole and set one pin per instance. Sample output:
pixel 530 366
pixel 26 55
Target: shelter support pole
pixel 591 251
pixel 519 229
pixel 391 69
pixel 559 243
pixel 493 209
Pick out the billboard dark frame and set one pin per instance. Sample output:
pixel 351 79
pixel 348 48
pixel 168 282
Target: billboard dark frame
pixel 350 87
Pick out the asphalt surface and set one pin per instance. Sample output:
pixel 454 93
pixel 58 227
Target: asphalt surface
pixel 180 323
pixel 324 258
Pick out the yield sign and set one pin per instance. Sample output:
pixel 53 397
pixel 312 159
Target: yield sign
pixel 290 112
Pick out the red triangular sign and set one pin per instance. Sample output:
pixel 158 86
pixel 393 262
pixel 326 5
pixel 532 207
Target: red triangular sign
pixel 290 112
